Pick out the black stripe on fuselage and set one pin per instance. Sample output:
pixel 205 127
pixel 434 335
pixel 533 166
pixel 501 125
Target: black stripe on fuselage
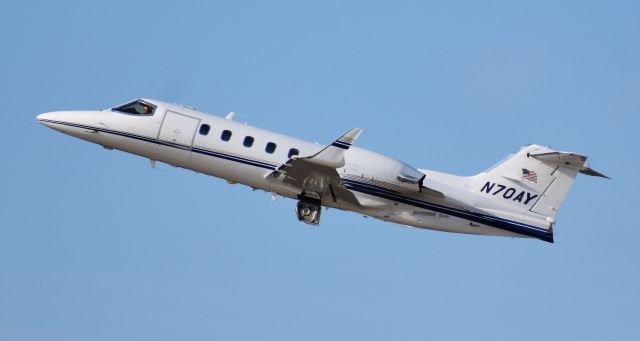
pixel 489 220
pixel 378 191
pixel 170 144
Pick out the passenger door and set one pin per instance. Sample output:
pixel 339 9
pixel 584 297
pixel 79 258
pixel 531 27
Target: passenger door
pixel 177 131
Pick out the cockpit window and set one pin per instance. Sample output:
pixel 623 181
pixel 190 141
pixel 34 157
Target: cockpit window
pixel 137 108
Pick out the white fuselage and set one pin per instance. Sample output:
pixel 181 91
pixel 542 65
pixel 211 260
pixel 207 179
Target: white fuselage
pixel 173 135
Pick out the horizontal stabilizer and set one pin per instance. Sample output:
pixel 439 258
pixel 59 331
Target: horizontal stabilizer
pixel 568 160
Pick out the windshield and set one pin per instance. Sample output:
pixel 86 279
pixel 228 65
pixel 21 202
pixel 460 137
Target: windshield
pixel 137 107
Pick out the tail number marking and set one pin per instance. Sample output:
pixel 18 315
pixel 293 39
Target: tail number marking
pixel 508 193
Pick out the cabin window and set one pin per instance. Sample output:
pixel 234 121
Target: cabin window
pixel 226 135
pixel 270 148
pixel 137 107
pixel 248 141
pixel 293 152
pixel 204 129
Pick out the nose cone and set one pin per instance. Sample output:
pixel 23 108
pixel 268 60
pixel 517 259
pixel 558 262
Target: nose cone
pixel 47 118
pixel 43 116
pixel 65 121
pixel 75 123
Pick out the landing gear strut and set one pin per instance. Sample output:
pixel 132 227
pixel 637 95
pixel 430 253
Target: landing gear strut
pixel 308 210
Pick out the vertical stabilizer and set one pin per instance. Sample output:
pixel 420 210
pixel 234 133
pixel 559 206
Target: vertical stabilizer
pixel 530 185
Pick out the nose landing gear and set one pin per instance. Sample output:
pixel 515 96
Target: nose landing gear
pixel 308 211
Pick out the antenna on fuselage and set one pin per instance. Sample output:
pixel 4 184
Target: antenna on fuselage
pixel 230 115
pixel 154 165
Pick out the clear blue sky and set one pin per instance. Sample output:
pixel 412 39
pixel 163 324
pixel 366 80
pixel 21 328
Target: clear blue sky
pixel 96 245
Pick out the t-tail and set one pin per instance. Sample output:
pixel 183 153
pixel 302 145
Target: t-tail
pixel 525 191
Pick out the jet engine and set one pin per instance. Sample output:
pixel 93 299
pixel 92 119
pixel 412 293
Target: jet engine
pixel 410 177
pixel 377 167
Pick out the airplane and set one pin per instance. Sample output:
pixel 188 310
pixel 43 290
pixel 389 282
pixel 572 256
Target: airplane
pixel 518 197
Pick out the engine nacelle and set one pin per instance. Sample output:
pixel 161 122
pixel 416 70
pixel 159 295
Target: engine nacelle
pixel 409 176
pixel 375 166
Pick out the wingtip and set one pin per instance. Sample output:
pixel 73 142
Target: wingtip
pixel 355 131
pixel 351 136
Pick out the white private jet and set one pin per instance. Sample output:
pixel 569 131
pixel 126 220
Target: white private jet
pixel 518 197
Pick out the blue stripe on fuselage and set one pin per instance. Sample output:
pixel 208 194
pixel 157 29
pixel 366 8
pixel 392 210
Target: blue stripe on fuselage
pixel 170 144
pixel 490 220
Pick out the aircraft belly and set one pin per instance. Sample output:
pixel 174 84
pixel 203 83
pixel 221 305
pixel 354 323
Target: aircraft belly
pixel 133 146
pixel 372 201
pixel 180 157
pixel 230 170
pixel 420 218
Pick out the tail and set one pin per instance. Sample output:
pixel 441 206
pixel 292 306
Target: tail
pixel 530 186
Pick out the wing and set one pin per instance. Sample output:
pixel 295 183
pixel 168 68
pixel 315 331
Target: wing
pixel 316 175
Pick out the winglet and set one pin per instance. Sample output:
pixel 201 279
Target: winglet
pixel 333 154
pixel 345 141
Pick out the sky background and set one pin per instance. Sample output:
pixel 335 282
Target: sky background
pixel 96 245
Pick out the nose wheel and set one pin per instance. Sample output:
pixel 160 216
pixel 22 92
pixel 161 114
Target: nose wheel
pixel 308 211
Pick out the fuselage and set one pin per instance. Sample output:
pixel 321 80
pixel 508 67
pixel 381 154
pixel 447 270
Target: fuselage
pixel 240 153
